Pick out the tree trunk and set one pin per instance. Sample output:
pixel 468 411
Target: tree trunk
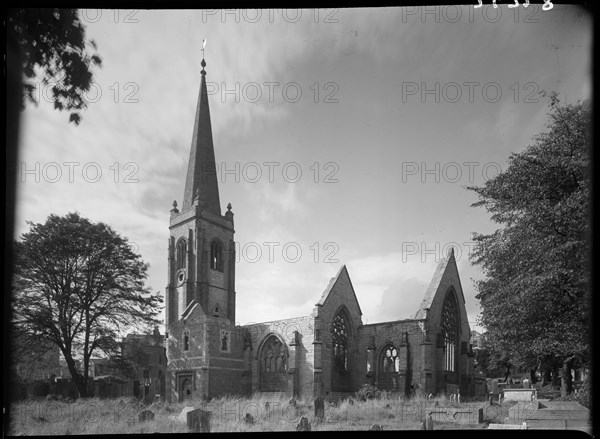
pixel 566 385
pixel 532 376
pixel 555 381
pixel 507 373
pixel 77 378
pixel 547 376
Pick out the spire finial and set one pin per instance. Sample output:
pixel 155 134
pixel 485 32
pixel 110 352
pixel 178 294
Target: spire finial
pixel 203 63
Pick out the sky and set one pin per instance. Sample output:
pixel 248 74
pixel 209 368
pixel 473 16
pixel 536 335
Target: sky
pixel 342 137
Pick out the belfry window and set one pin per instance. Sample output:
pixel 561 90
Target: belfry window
pixel 449 325
pixel 216 255
pixel 339 333
pixel 181 254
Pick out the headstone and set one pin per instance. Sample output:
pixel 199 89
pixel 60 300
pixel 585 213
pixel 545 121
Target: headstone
pixel 429 423
pixel 376 427
pixel 495 388
pixel 182 417
pixel 249 419
pixel 304 425
pixel 480 415
pixel 146 415
pixel 198 421
pixel 526 383
pixel 319 409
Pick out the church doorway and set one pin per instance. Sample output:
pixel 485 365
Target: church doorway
pixel 185 388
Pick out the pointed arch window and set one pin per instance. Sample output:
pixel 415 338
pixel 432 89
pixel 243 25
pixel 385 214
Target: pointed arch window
pixel 391 361
pixel 273 359
pixel 339 334
pixel 216 255
pixel 449 325
pixel 181 254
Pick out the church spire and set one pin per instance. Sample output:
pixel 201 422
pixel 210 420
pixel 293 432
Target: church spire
pixel 201 181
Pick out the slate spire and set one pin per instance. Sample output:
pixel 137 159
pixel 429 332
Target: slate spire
pixel 201 180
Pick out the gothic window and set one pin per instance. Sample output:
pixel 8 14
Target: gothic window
pixel 391 362
pixel 224 341
pixel 449 325
pixel 273 365
pixel 339 334
pixel 216 255
pixel 186 340
pixel 181 254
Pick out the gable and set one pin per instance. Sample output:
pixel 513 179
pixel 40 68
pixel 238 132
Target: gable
pixel 444 277
pixel 340 289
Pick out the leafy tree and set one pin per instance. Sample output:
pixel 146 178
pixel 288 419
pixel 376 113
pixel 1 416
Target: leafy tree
pixel 54 46
pixel 78 285
pixel 535 298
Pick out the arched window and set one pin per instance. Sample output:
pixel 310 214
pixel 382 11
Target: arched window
pixel 216 255
pixel 273 365
pixel 449 325
pixel 181 254
pixel 391 362
pixel 389 367
pixel 339 335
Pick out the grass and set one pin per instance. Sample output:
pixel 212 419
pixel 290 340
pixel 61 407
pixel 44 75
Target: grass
pixel 120 416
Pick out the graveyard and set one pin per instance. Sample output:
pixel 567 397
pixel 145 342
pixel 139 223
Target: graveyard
pixel 275 412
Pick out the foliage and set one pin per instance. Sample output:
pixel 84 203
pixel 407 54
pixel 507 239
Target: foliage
pixel 366 392
pixel 78 285
pixel 53 46
pixel 584 397
pixel 535 298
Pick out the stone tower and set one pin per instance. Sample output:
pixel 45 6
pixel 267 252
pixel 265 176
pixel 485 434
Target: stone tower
pixel 201 261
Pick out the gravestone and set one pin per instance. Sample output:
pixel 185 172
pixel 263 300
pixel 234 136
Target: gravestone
pixel 429 423
pixel 376 427
pixel 198 421
pixel 182 417
pixel 319 409
pixel 249 419
pixel 526 383
pixel 146 415
pixel 304 425
pixel 495 388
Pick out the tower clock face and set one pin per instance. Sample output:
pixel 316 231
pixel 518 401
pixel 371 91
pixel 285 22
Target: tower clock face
pixel 181 276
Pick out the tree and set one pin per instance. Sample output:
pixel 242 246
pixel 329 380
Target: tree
pixel 54 46
pixel 535 298
pixel 78 285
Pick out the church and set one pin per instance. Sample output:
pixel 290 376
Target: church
pixel 329 352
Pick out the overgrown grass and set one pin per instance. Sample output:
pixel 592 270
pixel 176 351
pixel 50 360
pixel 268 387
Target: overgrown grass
pixel 268 412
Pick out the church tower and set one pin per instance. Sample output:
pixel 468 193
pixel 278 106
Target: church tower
pixel 201 260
